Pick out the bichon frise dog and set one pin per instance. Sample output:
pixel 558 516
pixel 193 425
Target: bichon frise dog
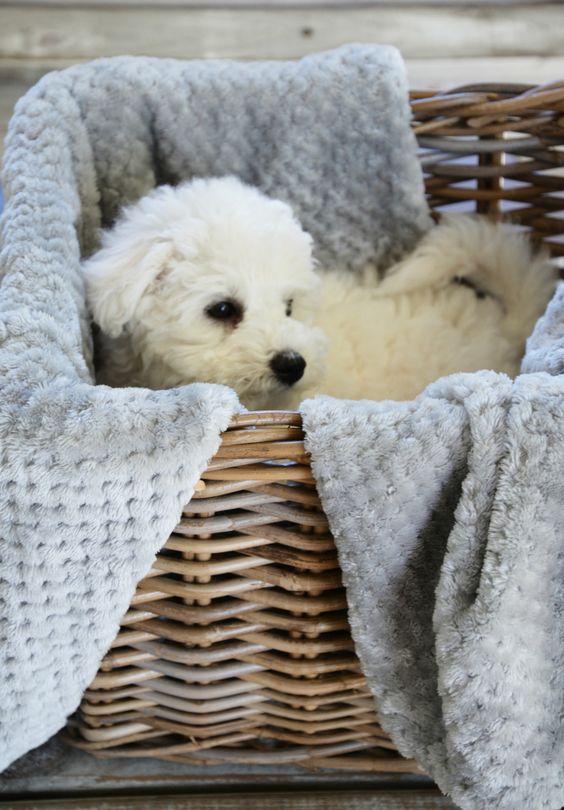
pixel 212 281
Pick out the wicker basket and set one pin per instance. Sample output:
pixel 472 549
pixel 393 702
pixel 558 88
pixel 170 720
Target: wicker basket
pixel 236 647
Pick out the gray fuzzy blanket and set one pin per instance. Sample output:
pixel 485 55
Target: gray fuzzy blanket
pixel 93 480
pixel 448 513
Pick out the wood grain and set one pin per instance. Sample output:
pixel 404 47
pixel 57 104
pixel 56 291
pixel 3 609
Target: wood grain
pixel 450 45
pixel 463 31
pixel 273 3
pixel 315 800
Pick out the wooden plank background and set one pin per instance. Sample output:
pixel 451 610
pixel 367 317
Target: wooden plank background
pixel 420 31
pixel 444 42
pixel 275 3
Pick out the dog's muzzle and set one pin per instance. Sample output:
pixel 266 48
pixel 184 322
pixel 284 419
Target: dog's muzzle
pixel 288 367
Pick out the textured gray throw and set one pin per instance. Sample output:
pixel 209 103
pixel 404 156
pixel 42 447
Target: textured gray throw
pixel 92 480
pixel 448 513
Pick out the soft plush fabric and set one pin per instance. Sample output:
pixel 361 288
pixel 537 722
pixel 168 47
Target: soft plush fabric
pixel 92 480
pixel 448 514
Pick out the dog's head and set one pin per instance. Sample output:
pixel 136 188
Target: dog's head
pixel 214 282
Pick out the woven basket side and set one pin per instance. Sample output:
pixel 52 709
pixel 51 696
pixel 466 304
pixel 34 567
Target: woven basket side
pixel 496 149
pixel 236 647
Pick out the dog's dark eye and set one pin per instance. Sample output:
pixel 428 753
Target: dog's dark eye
pixel 289 305
pixel 466 282
pixel 225 311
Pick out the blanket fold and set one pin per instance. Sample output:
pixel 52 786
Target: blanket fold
pixel 449 522
pixel 93 480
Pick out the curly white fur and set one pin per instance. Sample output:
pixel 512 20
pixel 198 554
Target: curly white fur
pixel 180 250
pixel 465 299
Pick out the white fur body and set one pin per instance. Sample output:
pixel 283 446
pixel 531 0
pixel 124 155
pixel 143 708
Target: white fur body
pixel 178 250
pixel 390 339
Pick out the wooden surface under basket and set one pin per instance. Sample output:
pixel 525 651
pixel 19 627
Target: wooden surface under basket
pixel 236 647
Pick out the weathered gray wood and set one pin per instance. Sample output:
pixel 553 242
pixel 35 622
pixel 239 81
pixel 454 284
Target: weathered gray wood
pixel 442 73
pixel 274 3
pixel 314 800
pixel 59 32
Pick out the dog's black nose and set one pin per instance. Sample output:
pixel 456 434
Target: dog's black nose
pixel 288 367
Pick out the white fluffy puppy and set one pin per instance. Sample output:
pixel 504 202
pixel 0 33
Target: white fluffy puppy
pixel 210 281
pixel 214 282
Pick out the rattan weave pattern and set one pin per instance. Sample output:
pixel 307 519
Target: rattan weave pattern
pixel 238 638
pixel 496 149
pixel 236 646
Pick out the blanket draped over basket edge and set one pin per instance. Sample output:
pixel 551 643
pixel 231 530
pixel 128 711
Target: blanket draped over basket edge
pixel 448 515
pixel 93 480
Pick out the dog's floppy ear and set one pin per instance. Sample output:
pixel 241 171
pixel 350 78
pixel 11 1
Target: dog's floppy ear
pixel 118 275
